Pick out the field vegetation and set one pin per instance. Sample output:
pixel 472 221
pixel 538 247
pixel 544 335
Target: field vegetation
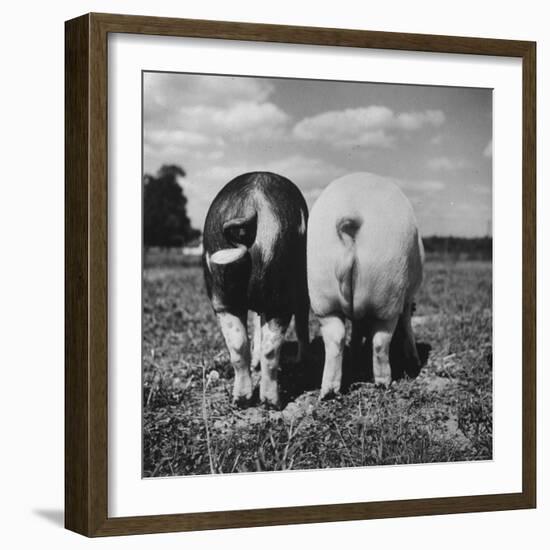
pixel 190 426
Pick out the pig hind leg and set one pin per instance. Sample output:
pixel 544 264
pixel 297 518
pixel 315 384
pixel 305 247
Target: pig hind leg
pixel 273 335
pixel 413 363
pixel 382 332
pixel 236 338
pixel 256 340
pixel 301 322
pixel 333 331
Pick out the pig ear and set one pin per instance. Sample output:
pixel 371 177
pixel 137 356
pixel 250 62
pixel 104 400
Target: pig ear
pixel 241 231
pixel 228 255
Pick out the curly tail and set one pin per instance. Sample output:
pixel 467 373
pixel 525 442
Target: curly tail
pixel 240 233
pixel 347 229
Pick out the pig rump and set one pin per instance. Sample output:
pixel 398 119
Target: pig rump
pixel 258 220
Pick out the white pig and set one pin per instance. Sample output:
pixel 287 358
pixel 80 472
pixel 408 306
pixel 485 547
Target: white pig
pixel 364 263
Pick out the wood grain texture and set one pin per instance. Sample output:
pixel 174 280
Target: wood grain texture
pixel 98 278
pixel 77 382
pixel 164 26
pixel 86 279
pixel 529 275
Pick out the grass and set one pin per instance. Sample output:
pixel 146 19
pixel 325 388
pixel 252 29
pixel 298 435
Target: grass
pixel 190 427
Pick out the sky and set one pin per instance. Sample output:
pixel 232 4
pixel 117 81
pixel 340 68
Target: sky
pixel 434 142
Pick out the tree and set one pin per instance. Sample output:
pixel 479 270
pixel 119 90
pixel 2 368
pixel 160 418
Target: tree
pixel 165 220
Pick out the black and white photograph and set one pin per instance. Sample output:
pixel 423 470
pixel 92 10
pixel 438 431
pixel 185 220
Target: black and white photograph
pixel 317 274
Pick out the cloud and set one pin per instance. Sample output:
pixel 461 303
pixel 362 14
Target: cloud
pixel 162 138
pixel 168 91
pixel 188 115
pixel 241 121
pixel 415 121
pixel 373 126
pixel 197 119
pixel 445 164
pixel 488 151
pixel 179 146
pixel 379 138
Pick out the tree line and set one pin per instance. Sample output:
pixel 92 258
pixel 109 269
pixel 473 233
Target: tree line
pixel 165 220
pixel 474 248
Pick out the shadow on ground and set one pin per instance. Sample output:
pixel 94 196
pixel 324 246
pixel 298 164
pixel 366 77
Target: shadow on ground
pixel 57 517
pixel 296 379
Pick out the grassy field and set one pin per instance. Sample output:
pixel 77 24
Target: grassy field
pixel 189 426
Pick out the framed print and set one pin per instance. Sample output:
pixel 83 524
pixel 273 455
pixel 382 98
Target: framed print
pixel 300 275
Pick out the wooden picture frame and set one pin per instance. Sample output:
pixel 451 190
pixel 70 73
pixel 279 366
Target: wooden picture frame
pixel 86 280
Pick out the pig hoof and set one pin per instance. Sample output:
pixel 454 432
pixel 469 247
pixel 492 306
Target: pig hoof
pixel 270 400
pixel 269 393
pixel 413 369
pixel 271 405
pixel 241 402
pixel 331 393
